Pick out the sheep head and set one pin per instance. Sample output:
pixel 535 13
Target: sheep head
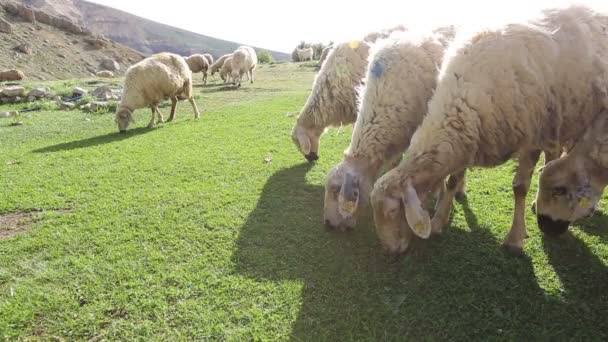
pixel 392 201
pixel 571 187
pixel 307 142
pixel 124 117
pixel 346 194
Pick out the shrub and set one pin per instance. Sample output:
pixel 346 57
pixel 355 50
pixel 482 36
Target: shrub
pixel 265 57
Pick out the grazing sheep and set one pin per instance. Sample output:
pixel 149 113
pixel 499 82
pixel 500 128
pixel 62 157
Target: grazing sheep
pixel 502 94
pixel 571 187
pixel 226 71
pixel 244 61
pixel 209 58
pixel 333 101
pixel 198 63
pixel 11 75
pixel 305 54
pixel 217 66
pixel 149 82
pixel 400 80
pixel 324 54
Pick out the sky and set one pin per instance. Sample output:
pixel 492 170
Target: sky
pixel 280 25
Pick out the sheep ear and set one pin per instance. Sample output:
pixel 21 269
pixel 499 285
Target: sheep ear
pixel 417 218
pixel 349 196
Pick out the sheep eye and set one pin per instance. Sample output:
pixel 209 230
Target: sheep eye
pixel 559 191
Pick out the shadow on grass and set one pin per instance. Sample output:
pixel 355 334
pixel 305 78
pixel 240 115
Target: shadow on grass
pixel 224 87
pixel 94 141
pixel 597 225
pixel 457 286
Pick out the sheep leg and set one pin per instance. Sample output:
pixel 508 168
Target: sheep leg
pixel 251 76
pixel 173 107
pixel 205 78
pixel 151 123
pixel 461 189
pixel 514 241
pixel 444 203
pixel 197 114
pixel 160 115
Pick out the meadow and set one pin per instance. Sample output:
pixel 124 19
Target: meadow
pixel 212 229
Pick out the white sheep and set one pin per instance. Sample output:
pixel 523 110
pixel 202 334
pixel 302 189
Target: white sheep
pixel 226 70
pixel 571 187
pixel 501 94
pixel 333 101
pixel 217 66
pixel 198 63
pixel 209 58
pixel 149 82
pixel 244 61
pixel 305 54
pixel 400 80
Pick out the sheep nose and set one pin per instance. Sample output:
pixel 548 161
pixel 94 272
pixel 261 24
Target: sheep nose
pixel 312 156
pixel 328 225
pixel 552 227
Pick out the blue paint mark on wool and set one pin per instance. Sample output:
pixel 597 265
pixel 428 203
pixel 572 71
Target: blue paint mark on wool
pixel 378 69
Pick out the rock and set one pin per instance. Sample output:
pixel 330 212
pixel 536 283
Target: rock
pixel 5 26
pixel 96 43
pixel 13 91
pixel 27 13
pixel 47 41
pixel 109 64
pixel 103 93
pixel 57 98
pixel 17 99
pixel 79 91
pixel 31 99
pixel 24 48
pixel 75 42
pixel 105 73
pixel 67 106
pixel 8 114
pixel 60 55
pixel 86 107
pixel 11 75
pixel 38 92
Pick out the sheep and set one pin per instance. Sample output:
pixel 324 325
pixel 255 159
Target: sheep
pixel 11 75
pixel 324 54
pixel 305 54
pixel 217 66
pixel 209 58
pixel 244 61
pixel 571 187
pixel 198 63
pixel 149 82
pixel 400 80
pixel 501 94
pixel 226 71
pixel 333 101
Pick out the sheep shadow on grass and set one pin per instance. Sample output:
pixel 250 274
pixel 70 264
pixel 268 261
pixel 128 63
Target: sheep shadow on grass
pixel 596 225
pixel 94 141
pixel 457 286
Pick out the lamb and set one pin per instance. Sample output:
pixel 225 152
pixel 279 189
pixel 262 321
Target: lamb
pixel 503 93
pixel 571 187
pixel 198 63
pixel 305 54
pixel 209 58
pixel 149 82
pixel 226 71
pixel 333 101
pixel 11 75
pixel 400 80
pixel 217 66
pixel 244 61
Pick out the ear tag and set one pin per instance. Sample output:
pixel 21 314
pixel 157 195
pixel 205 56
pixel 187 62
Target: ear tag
pixel 354 44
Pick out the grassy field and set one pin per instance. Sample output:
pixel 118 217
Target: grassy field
pixel 184 232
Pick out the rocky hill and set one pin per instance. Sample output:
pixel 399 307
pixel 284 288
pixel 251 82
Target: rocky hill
pixel 47 47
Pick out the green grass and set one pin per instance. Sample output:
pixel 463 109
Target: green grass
pixel 184 232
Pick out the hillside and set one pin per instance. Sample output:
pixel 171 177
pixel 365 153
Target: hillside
pixel 138 33
pixel 56 53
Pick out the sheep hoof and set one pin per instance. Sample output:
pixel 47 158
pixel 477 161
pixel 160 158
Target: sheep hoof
pixel 516 249
pixel 151 126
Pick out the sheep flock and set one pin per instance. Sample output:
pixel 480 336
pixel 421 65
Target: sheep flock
pixel 427 106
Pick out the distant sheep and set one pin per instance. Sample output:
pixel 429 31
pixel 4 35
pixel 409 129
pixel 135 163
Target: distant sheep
pixel 511 92
pixel 217 66
pixel 149 82
pixel 198 63
pixel 11 75
pixel 226 70
pixel 400 80
pixel 244 61
pixel 305 54
pixel 333 101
